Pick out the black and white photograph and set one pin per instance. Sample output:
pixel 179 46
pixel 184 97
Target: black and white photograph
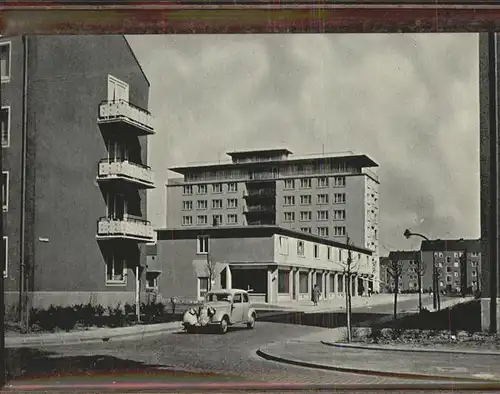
pixel 252 210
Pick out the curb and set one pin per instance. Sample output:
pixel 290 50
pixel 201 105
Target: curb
pixel 95 339
pixel 408 349
pixel 401 375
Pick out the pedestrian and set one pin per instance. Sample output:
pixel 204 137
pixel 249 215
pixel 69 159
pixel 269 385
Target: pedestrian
pixel 315 294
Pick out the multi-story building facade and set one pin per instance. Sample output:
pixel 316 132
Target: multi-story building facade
pixel 458 264
pixel 275 264
pixel 406 262
pixel 74 135
pixel 330 196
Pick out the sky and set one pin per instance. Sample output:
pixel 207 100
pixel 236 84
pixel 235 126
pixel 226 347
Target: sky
pixel 410 102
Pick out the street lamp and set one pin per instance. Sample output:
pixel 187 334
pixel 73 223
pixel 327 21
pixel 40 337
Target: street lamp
pixel 407 234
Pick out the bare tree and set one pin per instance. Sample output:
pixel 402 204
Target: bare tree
pixel 420 271
pixel 210 270
pixel 350 268
pixel 395 271
pixel 439 276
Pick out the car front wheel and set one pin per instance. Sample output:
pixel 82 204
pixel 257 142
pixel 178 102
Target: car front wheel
pixel 223 325
pixel 251 322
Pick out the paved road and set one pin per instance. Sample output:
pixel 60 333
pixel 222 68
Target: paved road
pixel 403 305
pixel 231 354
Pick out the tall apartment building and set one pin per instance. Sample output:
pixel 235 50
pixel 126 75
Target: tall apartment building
pixel 458 263
pixel 330 196
pixel 74 129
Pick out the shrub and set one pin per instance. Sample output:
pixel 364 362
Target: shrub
pixel 66 317
pixel 116 316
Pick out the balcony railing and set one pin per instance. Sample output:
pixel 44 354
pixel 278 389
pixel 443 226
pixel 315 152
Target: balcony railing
pixel 260 208
pixel 110 169
pixel 127 228
pixel 259 193
pixel 121 111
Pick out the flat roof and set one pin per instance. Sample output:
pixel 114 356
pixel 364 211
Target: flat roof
pixel 358 160
pixel 455 245
pixel 404 255
pixel 250 232
pixel 260 152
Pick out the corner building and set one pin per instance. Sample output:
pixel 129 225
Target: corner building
pixel 75 127
pixel 329 196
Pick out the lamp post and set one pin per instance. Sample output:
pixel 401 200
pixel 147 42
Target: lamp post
pixel 407 234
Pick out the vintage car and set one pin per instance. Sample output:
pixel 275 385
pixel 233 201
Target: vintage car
pixel 221 309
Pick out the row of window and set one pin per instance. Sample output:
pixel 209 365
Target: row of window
pixel 231 203
pixel 321 182
pixel 323 231
pixel 187 190
pixel 321 199
pixel 187 220
pixel 5 54
pixel 455 255
pixel 338 214
pixel 284 282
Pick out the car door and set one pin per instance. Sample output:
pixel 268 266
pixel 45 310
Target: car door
pixel 246 306
pixel 237 308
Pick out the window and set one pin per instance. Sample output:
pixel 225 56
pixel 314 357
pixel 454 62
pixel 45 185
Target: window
pixel 245 298
pixel 316 251
pixel 305 200
pixel 202 219
pixel 238 299
pixel 455 254
pixel 323 182
pixel 305 183
pixel 322 231
pixel 5 121
pixel 152 280
pixel 232 203
pixel 283 245
pixel 289 200
pixel 331 282
pixel 289 216
pixel 202 189
pixel 217 204
pixel 5 190
pixel 306 230
pixel 216 219
pixel 322 215
pixel 201 204
pixel 339 181
pixel 448 259
pixel 473 263
pixel 202 286
pixel 303 282
pixel 448 269
pixel 202 244
pixel 6 251
pixel 232 218
pixel 115 269
pixel 455 264
pixel 283 282
pixel 300 248
pixel 440 265
pixel 187 190
pixel 448 279
pixel 339 214
pixel 456 274
pixel 339 198
pixel 187 220
pixel 339 231
pixel 340 254
pixel 187 205
pixel 232 187
pixel 5 61
pixel 289 183
pixel 329 252
pixel 474 273
pixel 217 188
pixel 305 216
pixel 322 199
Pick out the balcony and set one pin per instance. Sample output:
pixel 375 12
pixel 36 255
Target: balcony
pixel 126 171
pixel 260 209
pixel 260 193
pixel 127 228
pixel 121 115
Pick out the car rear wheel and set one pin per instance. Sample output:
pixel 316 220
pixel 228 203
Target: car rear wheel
pixel 251 322
pixel 223 325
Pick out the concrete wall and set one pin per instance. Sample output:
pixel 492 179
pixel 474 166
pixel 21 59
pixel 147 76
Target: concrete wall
pixel 181 265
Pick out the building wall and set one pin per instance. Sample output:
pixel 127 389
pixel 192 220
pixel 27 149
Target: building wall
pixel 65 145
pixel 11 96
pixel 182 265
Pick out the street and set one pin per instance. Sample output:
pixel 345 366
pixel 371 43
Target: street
pixel 232 355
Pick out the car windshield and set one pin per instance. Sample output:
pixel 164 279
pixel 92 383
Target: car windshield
pixel 211 297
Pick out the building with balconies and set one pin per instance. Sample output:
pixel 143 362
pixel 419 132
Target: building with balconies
pixel 330 195
pixel 75 130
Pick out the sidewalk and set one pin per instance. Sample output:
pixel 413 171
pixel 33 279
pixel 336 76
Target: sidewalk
pixel 411 365
pixel 91 335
